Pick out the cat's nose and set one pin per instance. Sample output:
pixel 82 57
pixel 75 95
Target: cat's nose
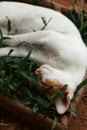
pixel 38 71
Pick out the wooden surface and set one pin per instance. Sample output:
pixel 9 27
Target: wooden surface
pixel 27 114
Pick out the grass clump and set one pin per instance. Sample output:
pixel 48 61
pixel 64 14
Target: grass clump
pixel 18 81
pixel 79 18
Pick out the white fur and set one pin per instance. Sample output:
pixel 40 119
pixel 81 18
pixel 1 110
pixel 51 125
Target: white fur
pixel 59 44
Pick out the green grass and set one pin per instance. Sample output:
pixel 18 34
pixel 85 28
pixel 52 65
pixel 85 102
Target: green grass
pixel 79 18
pixel 18 81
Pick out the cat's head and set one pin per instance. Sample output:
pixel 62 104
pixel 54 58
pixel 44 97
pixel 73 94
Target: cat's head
pixel 55 79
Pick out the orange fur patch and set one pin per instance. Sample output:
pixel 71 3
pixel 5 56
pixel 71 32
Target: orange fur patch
pixel 52 85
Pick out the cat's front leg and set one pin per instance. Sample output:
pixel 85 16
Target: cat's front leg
pixel 31 37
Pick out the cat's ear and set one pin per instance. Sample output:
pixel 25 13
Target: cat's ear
pixel 62 104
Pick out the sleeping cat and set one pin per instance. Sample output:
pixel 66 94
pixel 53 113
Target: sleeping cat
pixel 57 45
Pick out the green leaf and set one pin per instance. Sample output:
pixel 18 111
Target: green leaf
pixel 72 112
pixel 76 95
pixel 84 34
pixel 45 23
pixel 8 25
pixel 23 63
pixel 6 57
pixel 8 79
pixel 14 86
pixel 10 52
pixel 58 94
pixel 84 82
pixel 35 108
pixel 30 79
pixel 36 2
pixel 28 92
pixel 81 17
pixel 42 101
pixel 54 123
pixel 1 33
pixel 84 26
pixel 2 38
pixel 72 109
pixel 25 102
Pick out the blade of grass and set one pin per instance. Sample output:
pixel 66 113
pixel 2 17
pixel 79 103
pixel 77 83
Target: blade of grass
pixel 58 94
pixel 45 23
pixel 76 95
pixel 29 93
pixel 84 82
pixel 8 25
pixel 35 108
pixel 23 63
pixel 30 79
pixel 54 123
pixel 72 109
pixel 42 101
pixel 26 103
pixel 1 33
pixel 7 79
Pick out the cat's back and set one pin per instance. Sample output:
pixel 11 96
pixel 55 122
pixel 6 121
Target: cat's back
pixel 34 14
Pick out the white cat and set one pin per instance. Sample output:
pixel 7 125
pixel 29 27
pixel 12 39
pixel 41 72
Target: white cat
pixel 57 45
